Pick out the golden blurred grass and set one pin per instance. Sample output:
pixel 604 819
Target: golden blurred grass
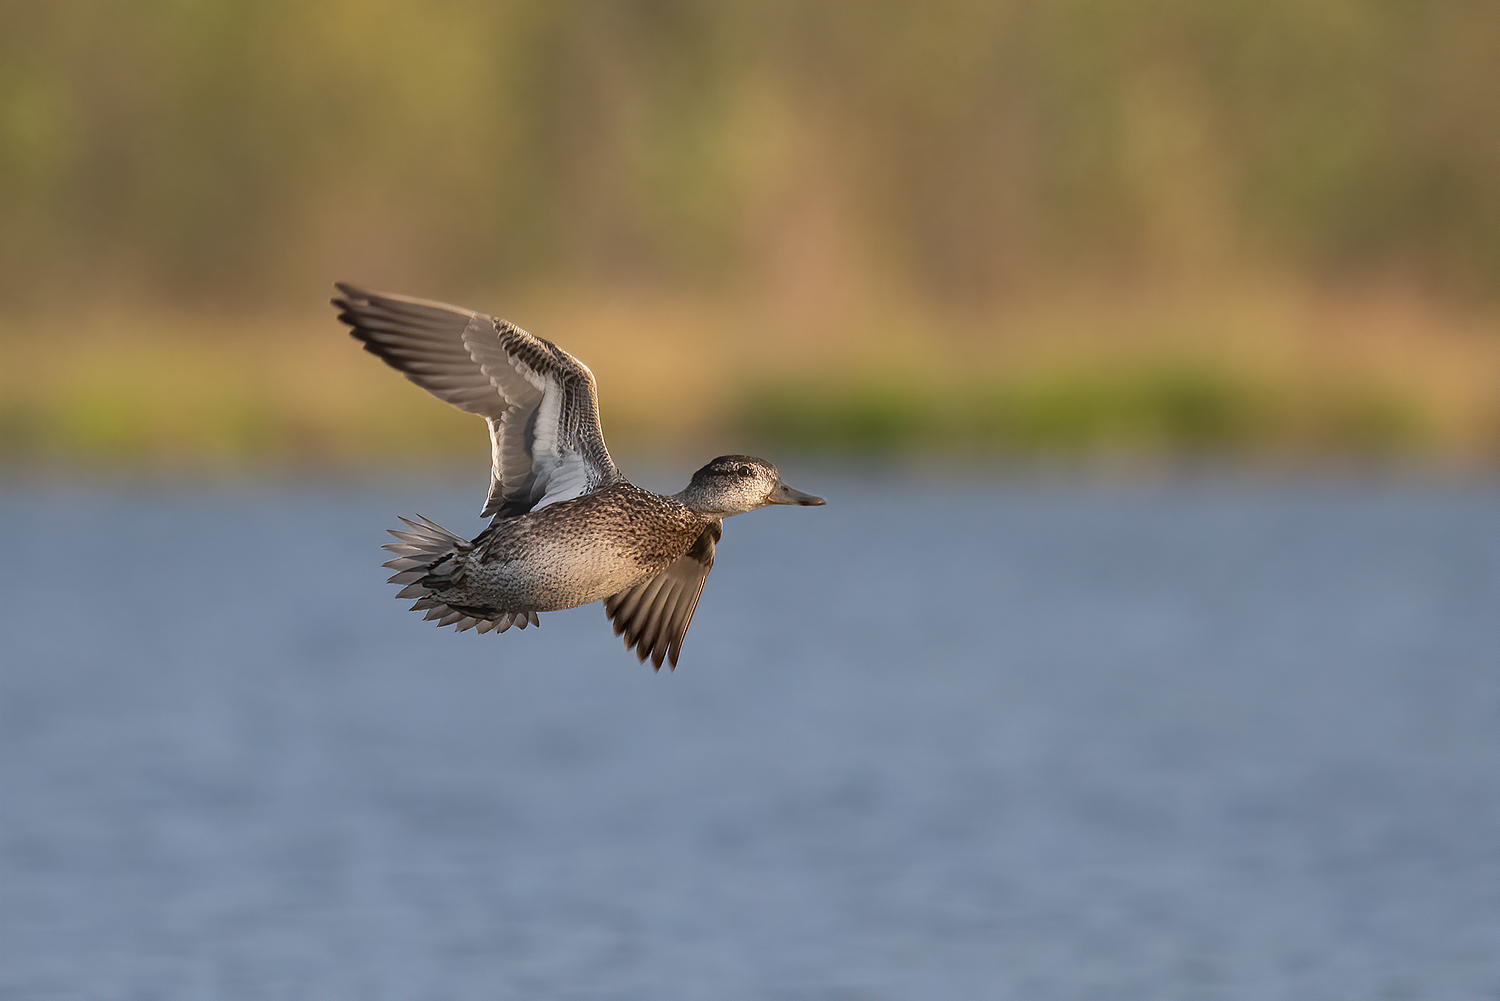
pixel 864 227
pixel 1264 372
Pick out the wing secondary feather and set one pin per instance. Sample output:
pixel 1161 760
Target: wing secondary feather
pixel 541 403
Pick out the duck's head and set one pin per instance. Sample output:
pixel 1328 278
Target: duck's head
pixel 734 484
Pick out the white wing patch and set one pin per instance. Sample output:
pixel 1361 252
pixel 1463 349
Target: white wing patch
pixel 541 403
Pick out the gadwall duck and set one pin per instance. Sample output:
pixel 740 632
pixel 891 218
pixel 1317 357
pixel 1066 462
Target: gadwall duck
pixel 567 528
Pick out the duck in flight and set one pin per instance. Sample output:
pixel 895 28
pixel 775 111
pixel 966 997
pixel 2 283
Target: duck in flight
pixel 567 528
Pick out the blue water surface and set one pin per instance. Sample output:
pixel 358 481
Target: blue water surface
pixel 1023 738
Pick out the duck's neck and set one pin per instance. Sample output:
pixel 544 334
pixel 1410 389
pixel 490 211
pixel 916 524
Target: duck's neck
pixel 704 504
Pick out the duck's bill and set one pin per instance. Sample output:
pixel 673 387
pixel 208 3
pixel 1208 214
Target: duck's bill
pixel 784 494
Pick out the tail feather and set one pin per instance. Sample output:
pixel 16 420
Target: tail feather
pixel 428 561
pixel 407 576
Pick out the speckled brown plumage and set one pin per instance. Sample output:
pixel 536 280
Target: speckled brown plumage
pixel 567 528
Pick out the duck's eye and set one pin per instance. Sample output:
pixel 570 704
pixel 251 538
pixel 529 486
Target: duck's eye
pixel 743 471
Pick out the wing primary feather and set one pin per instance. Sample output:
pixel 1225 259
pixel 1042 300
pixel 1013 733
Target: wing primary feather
pixel 541 403
pixel 654 615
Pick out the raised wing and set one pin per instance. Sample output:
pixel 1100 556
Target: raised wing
pixel 655 616
pixel 540 402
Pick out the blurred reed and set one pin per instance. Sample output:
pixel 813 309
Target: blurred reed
pixel 1143 229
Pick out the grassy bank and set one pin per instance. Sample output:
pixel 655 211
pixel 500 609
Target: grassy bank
pixel 1263 373
pixel 1155 409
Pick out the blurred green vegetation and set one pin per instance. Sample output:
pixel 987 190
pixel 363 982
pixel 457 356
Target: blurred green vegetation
pixel 1153 413
pixel 237 149
pixel 837 172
